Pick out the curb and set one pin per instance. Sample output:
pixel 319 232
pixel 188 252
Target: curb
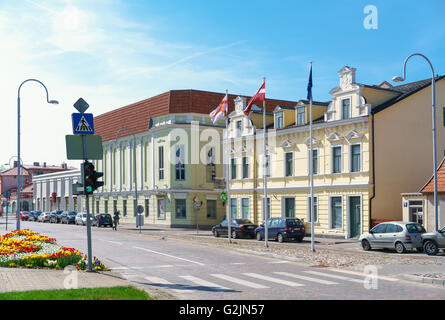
pixel 421 279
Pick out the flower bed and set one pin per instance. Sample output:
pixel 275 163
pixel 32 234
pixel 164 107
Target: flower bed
pixel 25 248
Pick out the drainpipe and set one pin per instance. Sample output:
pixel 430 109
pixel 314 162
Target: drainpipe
pixel 373 170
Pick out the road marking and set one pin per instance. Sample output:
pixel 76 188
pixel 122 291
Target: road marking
pixel 334 276
pixel 357 273
pixel 115 242
pixel 168 255
pixel 119 268
pixel 240 281
pixel 237 263
pixel 271 279
pixel 202 282
pixel 296 276
pixel 278 262
pixel 165 282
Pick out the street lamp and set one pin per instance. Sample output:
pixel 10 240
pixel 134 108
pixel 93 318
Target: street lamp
pixel 134 172
pixel 19 182
pixel 433 86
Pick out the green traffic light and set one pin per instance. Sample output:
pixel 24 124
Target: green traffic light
pixel 89 189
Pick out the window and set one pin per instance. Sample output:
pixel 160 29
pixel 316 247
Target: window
pixel 245 167
pixel 210 162
pixel 355 158
pixel 346 108
pixel 233 168
pixel 315 161
pixel 301 116
pixel 289 164
pixel 97 206
pixel 106 206
pixel 238 128
pixel 289 207
pixel 125 208
pixel 147 208
pixel 146 161
pixel 124 168
pixel 161 162
pixel 181 212
pixel 245 208
pixel 379 228
pixel 315 209
pixel 114 166
pixel 336 160
pixel 161 209
pixel 391 228
pixel 180 163
pixel 114 205
pixel 211 209
pixel 336 213
pixel 279 120
pixel 233 208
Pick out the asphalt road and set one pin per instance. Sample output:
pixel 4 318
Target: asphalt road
pixel 197 272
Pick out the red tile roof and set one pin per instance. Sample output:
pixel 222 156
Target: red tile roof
pixel 429 187
pixel 136 116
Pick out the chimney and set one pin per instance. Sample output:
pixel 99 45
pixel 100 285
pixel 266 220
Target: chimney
pixel 36 164
pixel 64 166
pixel 44 164
pixel 15 163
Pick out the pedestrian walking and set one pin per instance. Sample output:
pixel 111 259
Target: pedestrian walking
pixel 115 220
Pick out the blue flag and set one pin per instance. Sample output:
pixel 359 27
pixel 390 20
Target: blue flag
pixel 309 86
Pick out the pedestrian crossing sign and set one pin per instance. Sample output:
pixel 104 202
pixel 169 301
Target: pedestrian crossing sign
pixel 83 123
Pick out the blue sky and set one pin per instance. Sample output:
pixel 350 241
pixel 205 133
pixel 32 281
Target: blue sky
pixel 113 53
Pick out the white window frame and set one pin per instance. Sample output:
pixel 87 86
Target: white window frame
pixel 283 206
pixel 308 217
pixel 236 169
pixel 248 207
pixel 181 159
pixel 242 167
pixel 230 208
pixel 350 156
pixel 330 228
pixel 278 126
pixel 332 158
pixel 350 108
pixel 304 115
pixel 285 164
pixel 309 161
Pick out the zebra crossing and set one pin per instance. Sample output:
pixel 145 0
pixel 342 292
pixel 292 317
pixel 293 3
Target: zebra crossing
pixel 250 280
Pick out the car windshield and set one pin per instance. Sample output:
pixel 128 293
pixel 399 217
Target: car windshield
pixel 84 215
pixel 241 221
pixel 415 228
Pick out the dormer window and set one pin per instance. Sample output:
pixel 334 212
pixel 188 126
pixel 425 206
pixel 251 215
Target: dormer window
pixel 238 128
pixel 279 120
pixel 346 108
pixel 301 116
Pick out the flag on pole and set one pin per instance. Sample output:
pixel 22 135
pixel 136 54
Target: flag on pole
pixel 220 111
pixel 260 95
pixel 309 86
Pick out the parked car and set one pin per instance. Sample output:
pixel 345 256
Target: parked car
pixel 81 218
pixel 240 228
pixel 44 217
pixel 394 235
pixel 24 215
pixel 56 216
pixel 68 217
pixel 433 241
pixel 34 215
pixel 282 229
pixel 102 219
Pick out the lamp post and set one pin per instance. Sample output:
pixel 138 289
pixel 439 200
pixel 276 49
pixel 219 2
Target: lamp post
pixel 134 172
pixel 433 87
pixel 19 178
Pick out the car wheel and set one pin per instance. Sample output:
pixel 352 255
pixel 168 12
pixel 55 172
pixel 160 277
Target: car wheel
pixel 365 245
pixel 280 238
pixel 216 233
pixel 430 248
pixel 258 236
pixel 234 235
pixel 400 248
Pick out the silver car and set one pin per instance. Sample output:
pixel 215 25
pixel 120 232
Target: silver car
pixel 433 241
pixel 44 217
pixel 81 218
pixel 394 235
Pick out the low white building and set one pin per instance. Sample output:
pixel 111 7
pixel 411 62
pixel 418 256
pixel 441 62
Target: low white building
pixel 54 191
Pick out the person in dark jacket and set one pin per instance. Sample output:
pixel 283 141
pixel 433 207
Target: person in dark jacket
pixel 115 220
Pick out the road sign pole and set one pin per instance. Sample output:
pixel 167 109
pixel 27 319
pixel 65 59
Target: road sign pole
pixel 87 205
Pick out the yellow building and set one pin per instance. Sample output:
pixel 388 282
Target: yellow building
pixel 355 137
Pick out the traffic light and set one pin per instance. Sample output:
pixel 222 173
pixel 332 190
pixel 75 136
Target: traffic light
pixel 90 177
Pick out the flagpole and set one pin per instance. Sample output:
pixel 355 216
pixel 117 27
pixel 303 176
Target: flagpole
pixel 311 168
pixel 229 205
pixel 266 232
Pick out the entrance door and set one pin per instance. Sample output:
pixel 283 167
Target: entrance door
pixel 354 217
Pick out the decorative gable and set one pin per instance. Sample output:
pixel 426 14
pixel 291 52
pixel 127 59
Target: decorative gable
pixel 308 142
pixel 353 135
pixel 334 138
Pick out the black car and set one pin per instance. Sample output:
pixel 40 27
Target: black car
pixel 55 216
pixel 68 217
pixel 102 219
pixel 282 229
pixel 239 228
pixel 34 215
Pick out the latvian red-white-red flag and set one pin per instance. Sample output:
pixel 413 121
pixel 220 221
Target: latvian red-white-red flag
pixel 259 96
pixel 220 111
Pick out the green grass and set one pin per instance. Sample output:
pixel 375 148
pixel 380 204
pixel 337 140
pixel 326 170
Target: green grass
pixel 112 293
